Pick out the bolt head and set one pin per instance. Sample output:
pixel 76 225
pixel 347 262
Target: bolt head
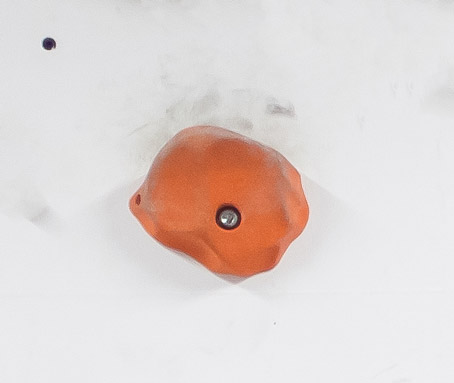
pixel 228 217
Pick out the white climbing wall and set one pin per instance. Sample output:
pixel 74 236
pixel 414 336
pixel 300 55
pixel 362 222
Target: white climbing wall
pixel 359 96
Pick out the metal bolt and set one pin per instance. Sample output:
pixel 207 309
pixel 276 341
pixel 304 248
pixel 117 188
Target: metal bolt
pixel 228 217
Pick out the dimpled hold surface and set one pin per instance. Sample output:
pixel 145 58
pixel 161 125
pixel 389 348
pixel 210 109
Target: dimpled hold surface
pixel 204 168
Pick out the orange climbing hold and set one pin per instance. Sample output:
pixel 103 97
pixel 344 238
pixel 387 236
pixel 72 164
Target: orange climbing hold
pixel 229 202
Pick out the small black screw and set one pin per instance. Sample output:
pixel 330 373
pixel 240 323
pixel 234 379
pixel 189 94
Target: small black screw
pixel 49 43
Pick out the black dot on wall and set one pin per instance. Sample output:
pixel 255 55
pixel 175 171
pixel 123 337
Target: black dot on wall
pixel 49 43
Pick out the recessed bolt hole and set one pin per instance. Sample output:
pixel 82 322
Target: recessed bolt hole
pixel 49 43
pixel 228 217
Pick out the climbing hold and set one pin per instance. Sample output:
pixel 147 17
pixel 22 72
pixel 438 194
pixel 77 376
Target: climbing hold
pixel 231 203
